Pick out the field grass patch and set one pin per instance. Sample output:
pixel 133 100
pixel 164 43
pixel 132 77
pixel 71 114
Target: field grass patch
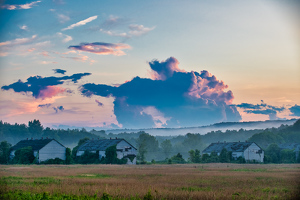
pixel 91 176
pixel 194 189
pixel 249 170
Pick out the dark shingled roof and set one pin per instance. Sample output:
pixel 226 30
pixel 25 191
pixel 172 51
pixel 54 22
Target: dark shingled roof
pixel 292 146
pixel 35 144
pixel 229 146
pixel 99 145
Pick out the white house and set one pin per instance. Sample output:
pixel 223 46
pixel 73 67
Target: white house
pixel 124 149
pixel 248 150
pixel 43 149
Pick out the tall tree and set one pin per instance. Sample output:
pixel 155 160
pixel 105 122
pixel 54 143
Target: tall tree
pixel 166 146
pixel 35 128
pixel 4 152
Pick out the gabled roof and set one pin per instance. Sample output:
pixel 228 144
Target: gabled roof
pixel 35 144
pixel 229 146
pixel 100 145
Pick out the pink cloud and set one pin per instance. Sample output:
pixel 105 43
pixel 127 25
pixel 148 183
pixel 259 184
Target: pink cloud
pixel 51 91
pixel 102 48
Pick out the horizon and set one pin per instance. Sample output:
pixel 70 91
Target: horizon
pixel 144 65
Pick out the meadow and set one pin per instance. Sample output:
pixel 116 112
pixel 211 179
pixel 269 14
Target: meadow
pixel 186 181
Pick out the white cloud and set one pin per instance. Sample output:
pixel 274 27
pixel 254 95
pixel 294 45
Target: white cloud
pixel 19 6
pixel 63 18
pixel 67 38
pixel 135 30
pixel 81 23
pixel 18 41
pixel 24 27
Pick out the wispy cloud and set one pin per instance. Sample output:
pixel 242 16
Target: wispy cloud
pixel 135 30
pixel 24 27
pixel 81 23
pixel 102 48
pixel 66 39
pixel 6 47
pixel 18 41
pixel 19 6
pixel 63 18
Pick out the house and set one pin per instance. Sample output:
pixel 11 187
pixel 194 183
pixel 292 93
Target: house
pixel 248 150
pixel 124 148
pixel 293 146
pixel 43 149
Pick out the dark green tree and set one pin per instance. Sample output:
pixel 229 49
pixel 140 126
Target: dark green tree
pixel 147 147
pixel 273 153
pixel 68 156
pixel 4 152
pixel 24 156
pixel 287 156
pixel 35 128
pixel 178 159
pixel 191 156
pixel 224 156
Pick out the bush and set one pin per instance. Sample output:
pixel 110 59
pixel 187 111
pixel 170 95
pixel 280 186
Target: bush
pixel 53 161
pixel 23 156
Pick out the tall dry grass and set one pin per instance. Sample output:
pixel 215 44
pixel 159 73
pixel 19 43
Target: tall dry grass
pixel 188 181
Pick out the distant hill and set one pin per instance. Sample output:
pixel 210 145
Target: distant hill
pixel 200 129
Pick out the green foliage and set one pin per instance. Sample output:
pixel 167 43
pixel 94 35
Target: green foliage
pixel 53 161
pixel 177 159
pixel 273 153
pixel 195 156
pixel 287 156
pixel 23 156
pixel 147 144
pixel 68 156
pixel 4 152
pixel 166 146
pixel 225 156
pixel 35 128
pixel 88 158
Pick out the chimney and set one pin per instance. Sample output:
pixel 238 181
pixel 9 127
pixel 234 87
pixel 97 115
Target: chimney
pixel 110 138
pixel 116 138
pixel 246 141
pixel 224 141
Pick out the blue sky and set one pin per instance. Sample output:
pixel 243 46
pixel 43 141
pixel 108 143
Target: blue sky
pixel 193 62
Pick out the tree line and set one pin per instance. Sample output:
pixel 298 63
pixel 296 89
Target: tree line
pixel 172 149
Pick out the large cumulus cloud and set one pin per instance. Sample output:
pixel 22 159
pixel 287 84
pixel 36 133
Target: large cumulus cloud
pixel 171 98
pixel 43 87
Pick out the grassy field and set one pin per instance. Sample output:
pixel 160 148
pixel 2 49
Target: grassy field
pixel 188 181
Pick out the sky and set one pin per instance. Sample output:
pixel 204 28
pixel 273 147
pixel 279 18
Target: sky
pixel 149 64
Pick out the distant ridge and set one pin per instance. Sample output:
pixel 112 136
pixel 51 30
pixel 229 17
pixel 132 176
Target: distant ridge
pixel 223 126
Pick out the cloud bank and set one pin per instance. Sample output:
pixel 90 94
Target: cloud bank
pixel 295 110
pixel 262 109
pixel 43 87
pixel 102 48
pixel 171 98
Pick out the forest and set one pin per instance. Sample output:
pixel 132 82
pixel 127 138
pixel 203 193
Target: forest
pixel 165 149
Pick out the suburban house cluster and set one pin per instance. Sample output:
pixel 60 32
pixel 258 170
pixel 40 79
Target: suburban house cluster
pixel 250 151
pixel 45 149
